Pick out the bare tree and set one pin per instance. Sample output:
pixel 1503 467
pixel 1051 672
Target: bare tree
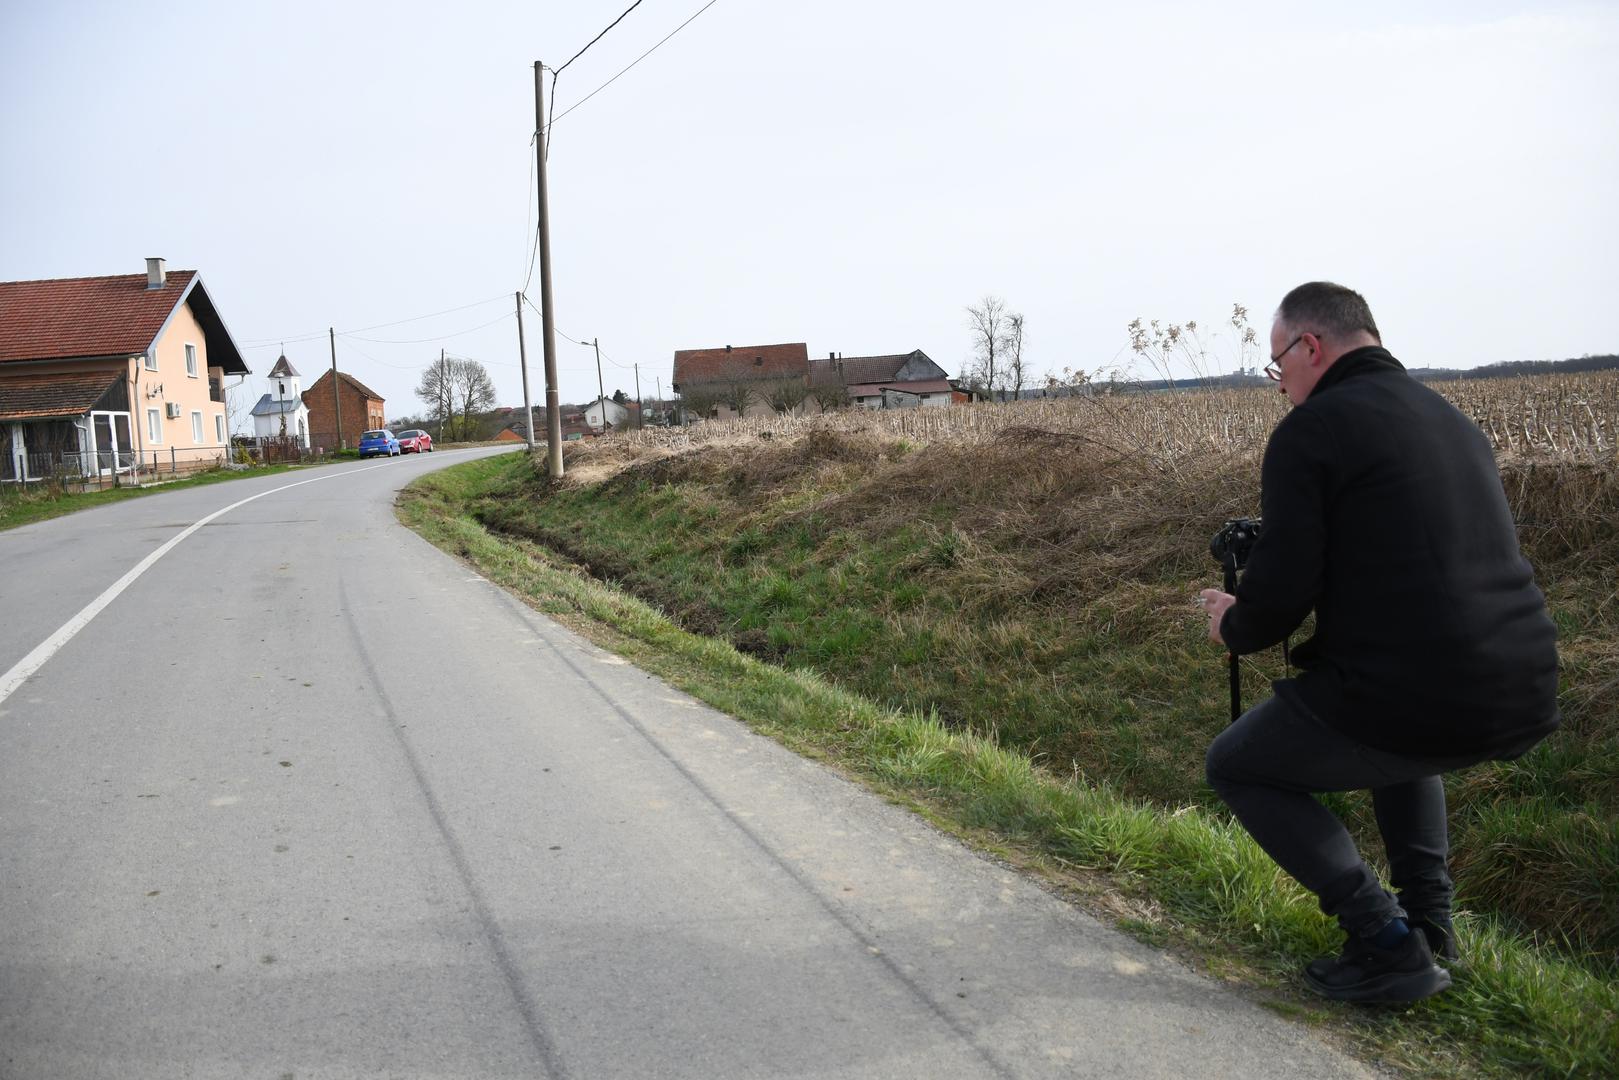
pixel 1012 348
pixel 735 394
pixel 786 395
pixel 436 390
pixel 987 320
pixel 698 401
pixel 830 395
pixel 474 392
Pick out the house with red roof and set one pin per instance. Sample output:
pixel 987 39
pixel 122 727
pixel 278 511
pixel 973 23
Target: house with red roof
pixel 337 420
pixel 747 380
pixel 110 375
pixel 896 381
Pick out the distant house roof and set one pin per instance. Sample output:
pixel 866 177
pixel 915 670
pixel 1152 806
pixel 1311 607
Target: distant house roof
pixel 44 397
pixel 872 369
pixel 743 361
pixel 269 406
pixel 917 386
pixel 283 367
pixel 80 318
pixel 346 377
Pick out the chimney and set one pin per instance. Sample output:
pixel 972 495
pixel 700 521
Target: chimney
pixel 727 348
pixel 155 275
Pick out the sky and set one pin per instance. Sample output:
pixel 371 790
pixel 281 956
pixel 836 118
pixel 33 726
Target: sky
pixel 852 175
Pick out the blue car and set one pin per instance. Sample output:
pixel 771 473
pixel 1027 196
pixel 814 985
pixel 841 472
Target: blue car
pixel 379 442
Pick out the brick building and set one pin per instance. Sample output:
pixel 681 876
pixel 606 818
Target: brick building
pixel 362 408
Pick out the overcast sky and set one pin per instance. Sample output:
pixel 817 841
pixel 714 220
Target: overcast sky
pixel 847 174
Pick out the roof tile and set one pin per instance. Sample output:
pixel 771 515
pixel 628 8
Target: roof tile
pixel 62 318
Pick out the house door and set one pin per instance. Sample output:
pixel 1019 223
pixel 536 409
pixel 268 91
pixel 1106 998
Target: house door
pixel 13 466
pixel 114 448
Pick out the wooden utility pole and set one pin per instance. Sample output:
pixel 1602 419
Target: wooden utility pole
pixel 337 400
pixel 522 352
pixel 553 403
pixel 601 390
pixel 662 419
pixel 639 408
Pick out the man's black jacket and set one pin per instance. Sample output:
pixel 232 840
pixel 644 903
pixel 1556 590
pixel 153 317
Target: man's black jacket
pixel 1384 512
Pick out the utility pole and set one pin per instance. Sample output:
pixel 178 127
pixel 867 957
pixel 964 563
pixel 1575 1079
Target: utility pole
pixel 337 401
pixel 553 404
pixel 662 419
pixel 601 391
pixel 522 352
pixel 640 409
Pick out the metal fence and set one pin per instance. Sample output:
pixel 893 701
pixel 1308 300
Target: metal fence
pixel 88 469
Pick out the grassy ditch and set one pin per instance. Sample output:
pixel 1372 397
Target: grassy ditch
pixel 1001 635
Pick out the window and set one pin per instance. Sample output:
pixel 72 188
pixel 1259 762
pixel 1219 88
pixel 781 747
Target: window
pixel 151 361
pixel 219 429
pixel 280 389
pixel 196 427
pixel 154 427
pixel 191 360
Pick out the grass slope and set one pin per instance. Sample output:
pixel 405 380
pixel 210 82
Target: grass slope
pixel 1002 636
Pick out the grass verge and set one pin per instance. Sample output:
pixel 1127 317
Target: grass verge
pixel 1185 877
pixel 28 506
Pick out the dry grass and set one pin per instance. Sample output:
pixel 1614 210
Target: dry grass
pixel 1571 417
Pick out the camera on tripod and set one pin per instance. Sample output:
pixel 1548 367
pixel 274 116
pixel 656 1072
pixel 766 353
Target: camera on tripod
pixel 1233 543
pixel 1231 547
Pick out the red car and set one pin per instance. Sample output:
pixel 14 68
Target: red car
pixel 415 441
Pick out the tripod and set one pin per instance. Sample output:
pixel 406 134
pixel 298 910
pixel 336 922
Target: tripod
pixel 1230 547
pixel 1230 564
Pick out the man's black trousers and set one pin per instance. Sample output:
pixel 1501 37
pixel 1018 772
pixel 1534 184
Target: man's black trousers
pixel 1269 765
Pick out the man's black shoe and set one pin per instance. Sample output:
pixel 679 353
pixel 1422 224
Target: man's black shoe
pixel 1363 972
pixel 1440 933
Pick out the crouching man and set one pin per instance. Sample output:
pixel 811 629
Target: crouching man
pixel 1385 515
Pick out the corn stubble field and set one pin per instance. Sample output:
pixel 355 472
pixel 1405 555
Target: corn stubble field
pixel 1026 571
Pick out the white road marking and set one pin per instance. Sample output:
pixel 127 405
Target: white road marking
pixel 48 648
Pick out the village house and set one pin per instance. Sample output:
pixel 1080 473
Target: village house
pixel 339 424
pixel 763 380
pixel 605 414
pixel 111 375
pixel 899 381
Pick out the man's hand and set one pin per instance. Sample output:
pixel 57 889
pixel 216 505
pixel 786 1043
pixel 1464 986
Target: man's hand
pixel 1214 604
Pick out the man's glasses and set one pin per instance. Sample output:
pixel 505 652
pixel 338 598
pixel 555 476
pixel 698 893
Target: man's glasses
pixel 1273 370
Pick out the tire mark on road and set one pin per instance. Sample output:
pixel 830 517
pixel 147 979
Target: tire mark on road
pixel 494 938
pixel 837 912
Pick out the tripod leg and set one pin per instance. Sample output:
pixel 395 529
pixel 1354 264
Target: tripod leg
pixel 1236 673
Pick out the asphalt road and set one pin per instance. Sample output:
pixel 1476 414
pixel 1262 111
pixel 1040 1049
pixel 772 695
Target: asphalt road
pixel 308 798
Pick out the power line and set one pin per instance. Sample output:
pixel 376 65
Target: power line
pixel 557 72
pixel 585 344
pixel 597 38
pixel 419 341
pixel 528 216
pixel 552 120
pixel 269 342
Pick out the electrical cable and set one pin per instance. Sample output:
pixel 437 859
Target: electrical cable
pixel 268 342
pixel 435 337
pixel 557 72
pixel 552 120
pixel 598 37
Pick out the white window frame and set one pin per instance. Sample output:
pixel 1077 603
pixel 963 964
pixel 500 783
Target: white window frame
pixel 196 426
pixel 154 426
pixel 149 360
pixel 219 427
pixel 191 360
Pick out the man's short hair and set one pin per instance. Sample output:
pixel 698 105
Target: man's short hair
pixel 1328 309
